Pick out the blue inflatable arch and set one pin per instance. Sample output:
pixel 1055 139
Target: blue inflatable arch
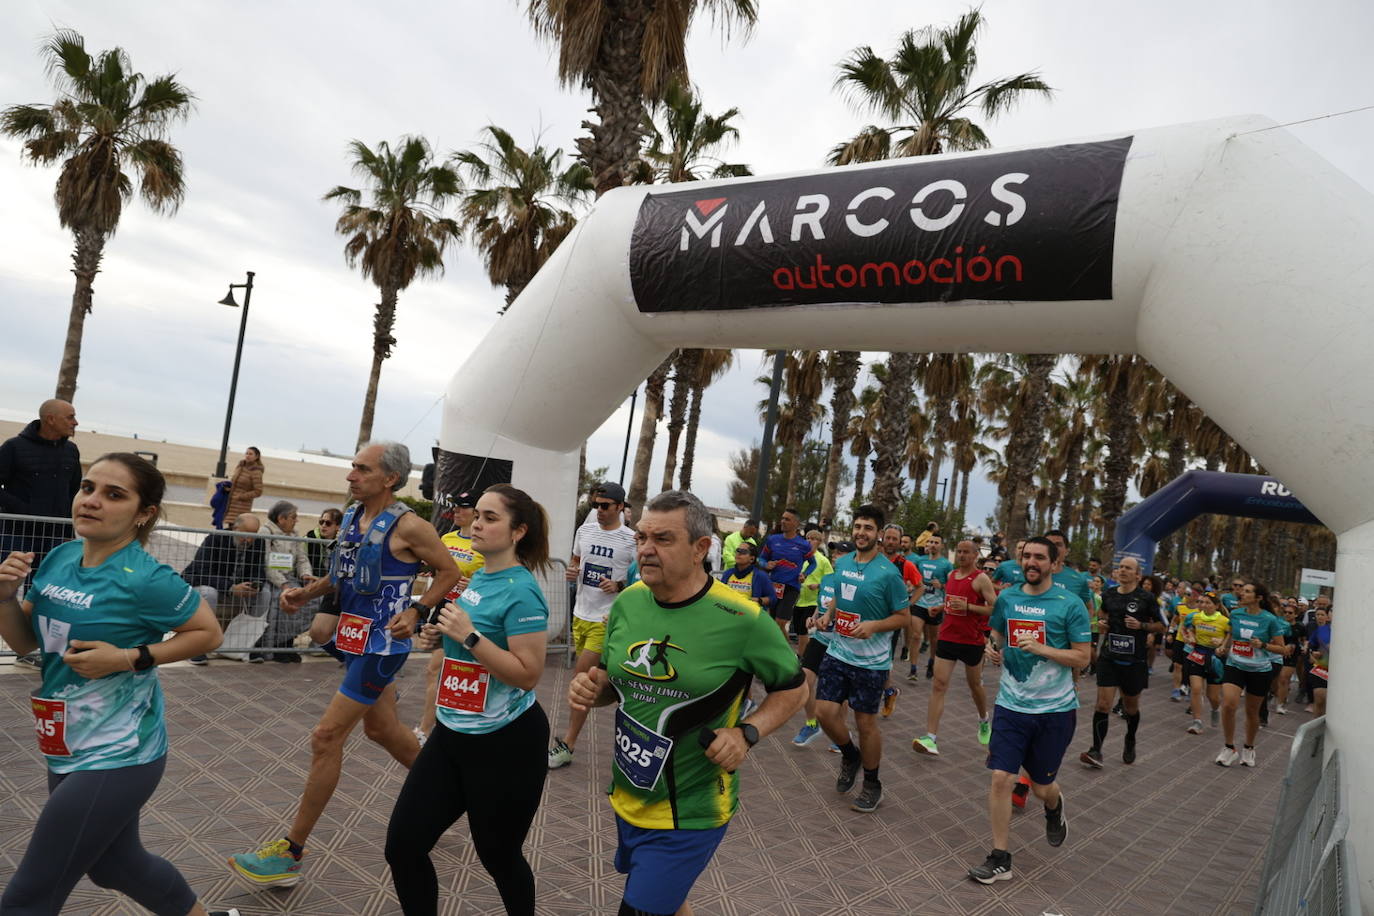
pixel 1194 493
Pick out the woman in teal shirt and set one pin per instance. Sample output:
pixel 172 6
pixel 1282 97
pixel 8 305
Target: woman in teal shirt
pixel 1255 641
pixel 485 757
pixel 98 609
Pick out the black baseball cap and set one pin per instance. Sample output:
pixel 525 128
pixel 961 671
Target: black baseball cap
pixel 465 500
pixel 612 491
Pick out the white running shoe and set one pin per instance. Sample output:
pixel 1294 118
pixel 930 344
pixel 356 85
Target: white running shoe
pixel 1247 756
pixel 1196 727
pixel 1281 709
pixel 1228 757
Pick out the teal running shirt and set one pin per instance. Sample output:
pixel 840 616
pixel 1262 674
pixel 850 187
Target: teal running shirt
pixel 1057 619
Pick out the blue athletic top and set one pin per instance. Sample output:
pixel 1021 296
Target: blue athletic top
pixel 129 600
pixel 796 559
pixel 752 582
pixel 390 600
pixel 501 605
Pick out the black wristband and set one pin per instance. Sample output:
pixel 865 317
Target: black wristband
pixel 145 659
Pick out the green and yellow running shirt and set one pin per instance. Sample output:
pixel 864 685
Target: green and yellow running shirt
pixel 809 597
pixel 1209 629
pixel 678 668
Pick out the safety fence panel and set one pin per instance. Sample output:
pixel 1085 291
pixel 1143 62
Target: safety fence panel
pixel 1307 867
pixel 250 611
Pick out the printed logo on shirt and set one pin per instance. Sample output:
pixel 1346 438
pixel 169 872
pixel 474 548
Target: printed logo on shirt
pixel 471 597
pixel 648 659
pixel 68 596
pixel 1030 609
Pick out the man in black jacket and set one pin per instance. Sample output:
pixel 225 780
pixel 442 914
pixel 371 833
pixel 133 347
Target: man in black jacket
pixel 228 570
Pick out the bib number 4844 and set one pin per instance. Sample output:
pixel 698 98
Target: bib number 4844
pixel 463 686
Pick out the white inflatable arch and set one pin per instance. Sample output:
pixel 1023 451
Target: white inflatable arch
pixel 1227 253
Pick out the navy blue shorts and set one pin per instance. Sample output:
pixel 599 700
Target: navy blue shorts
pixel 1033 742
pixel 841 682
pixel 368 675
pixel 662 865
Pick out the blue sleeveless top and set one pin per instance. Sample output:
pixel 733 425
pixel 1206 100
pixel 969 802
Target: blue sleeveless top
pixel 391 599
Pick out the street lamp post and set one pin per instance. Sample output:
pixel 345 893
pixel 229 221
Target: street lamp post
pixel 238 356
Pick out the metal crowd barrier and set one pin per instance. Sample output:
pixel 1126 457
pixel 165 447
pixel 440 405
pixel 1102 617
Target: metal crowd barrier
pixel 1308 867
pixel 176 546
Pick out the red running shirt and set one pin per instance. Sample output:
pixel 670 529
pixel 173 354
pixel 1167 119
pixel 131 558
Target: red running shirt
pixel 964 627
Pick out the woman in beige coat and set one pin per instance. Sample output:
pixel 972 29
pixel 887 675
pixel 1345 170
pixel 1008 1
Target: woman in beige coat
pixel 245 484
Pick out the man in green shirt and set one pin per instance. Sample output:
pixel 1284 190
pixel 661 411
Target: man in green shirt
pixel 681 650
pixel 750 533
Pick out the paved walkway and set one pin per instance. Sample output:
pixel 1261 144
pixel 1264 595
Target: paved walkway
pixel 1171 834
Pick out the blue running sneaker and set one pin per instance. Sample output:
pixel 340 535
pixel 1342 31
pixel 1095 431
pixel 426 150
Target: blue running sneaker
pixel 807 734
pixel 271 866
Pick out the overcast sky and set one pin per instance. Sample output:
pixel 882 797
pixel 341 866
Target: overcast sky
pixel 282 87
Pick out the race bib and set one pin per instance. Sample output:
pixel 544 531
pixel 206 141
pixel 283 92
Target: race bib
pixel 1122 644
pixel 593 574
pixel 640 752
pixel 1318 671
pixel 1035 629
pixel 779 589
pixel 845 622
pixel 960 612
pixel 352 633
pixel 50 721
pixel 1243 649
pixel 281 562
pixel 1197 658
pixel 463 686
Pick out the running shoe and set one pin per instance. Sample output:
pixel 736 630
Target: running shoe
pixel 914 675
pixel 229 912
pixel 834 748
pixel 925 745
pixel 984 731
pixel 849 771
pixel 1119 709
pixel 560 756
pixel 806 735
pixel 1177 695
pixel 889 701
pixel 1281 709
pixel 198 660
pixel 1019 793
pixel 1092 758
pixel 1185 691
pixel 420 735
pixel 1247 756
pixel 1056 824
pixel 33 661
pixel 747 709
pixel 272 865
pixel 1216 717
pixel 1128 751
pixel 994 868
pixel 930 670
pixel 1196 727
pixel 869 798
pixel 1228 757
pixel 906 653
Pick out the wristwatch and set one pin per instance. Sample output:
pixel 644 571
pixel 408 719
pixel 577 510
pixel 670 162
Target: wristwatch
pixel 426 612
pixel 751 734
pixel 472 639
pixel 144 660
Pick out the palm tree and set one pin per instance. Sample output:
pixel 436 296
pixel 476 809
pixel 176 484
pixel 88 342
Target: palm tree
pixel 684 376
pixel 518 206
pixel 804 377
pixel 399 235
pixel 1075 396
pixel 862 431
pixel 1016 389
pixel 626 52
pixel 109 125
pixel 1121 380
pixel 942 376
pixel 711 365
pixel 842 369
pixel 926 90
pixel 683 147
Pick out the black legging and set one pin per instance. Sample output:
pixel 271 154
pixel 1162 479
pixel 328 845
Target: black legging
pixel 89 826
pixel 497 780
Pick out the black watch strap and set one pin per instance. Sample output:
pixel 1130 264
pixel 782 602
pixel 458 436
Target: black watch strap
pixel 751 734
pixel 145 659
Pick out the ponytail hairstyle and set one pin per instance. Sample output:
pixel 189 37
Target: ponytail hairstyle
pixel 149 485
pixel 1265 600
pixel 533 548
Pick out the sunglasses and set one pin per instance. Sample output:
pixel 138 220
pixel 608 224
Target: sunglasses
pixel 603 506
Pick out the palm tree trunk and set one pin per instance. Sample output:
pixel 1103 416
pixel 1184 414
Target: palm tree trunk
pixel 90 246
pixel 677 413
pixel 1121 427
pixel 615 80
pixel 689 448
pixel 963 497
pixel 648 431
pixel 1025 443
pixel 844 374
pixel 1069 491
pixel 383 323
pixel 889 446
pixel 860 478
